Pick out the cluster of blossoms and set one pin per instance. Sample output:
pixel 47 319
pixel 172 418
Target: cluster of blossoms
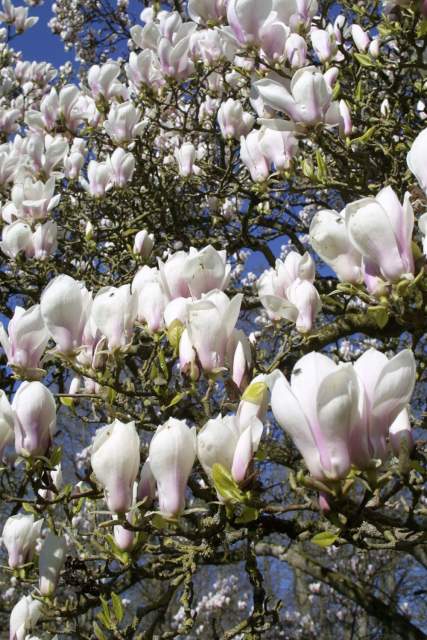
pixel 281 65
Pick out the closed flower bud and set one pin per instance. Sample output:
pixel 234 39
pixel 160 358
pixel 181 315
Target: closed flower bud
pixel 233 121
pixel 65 306
pixel 400 433
pixel 147 485
pixel 16 237
pixel 122 166
pixel 51 561
pixel 143 244
pixel 35 419
pixel 172 453
pixel 416 159
pixel 360 38
pixel 386 386
pixel 211 322
pixel 115 462
pixel 6 422
pixel 114 312
pixel 27 339
pixel 20 534
pixel 23 618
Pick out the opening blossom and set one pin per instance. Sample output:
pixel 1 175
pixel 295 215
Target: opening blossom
pixel 223 440
pixel 370 239
pixel 288 291
pixel 338 415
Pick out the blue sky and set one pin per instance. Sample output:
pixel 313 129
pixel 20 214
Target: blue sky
pixel 39 43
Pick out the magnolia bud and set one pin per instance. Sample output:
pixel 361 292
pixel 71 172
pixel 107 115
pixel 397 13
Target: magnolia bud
pixel 27 339
pixel 51 561
pixel 65 307
pixel 147 485
pixel 172 454
pixel 115 463
pixel 20 534
pixel 143 244
pixel 114 312
pixel 35 419
pixel 6 422
pixel 89 230
pixel 254 402
pixel 360 37
pixel 124 538
pixel 25 615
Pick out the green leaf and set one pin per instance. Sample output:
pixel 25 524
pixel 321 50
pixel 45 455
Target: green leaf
pixel 174 333
pixel 321 165
pixel 358 94
pixel 255 393
pixel 177 399
pixel 104 620
pixel 98 632
pixel 67 401
pixel 56 456
pixel 105 609
pixel 163 366
pixel 307 168
pixel 416 466
pixel 225 484
pixel 117 607
pixel 325 538
pixel 336 90
pixel 422 29
pixel 158 521
pixel 28 507
pixel 380 314
pixel 111 395
pixel 364 60
pixel 365 136
pixel 249 514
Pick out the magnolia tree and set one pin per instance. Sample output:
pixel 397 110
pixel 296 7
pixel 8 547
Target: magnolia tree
pixel 213 291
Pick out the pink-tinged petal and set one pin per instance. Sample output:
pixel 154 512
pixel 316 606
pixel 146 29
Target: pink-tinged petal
pixel 246 447
pixel 275 95
pixel 312 95
pixel 337 403
pixel 273 37
pixel 371 232
pixel 372 278
pixel 246 17
pixel 147 485
pixel 369 368
pixel 400 432
pixel 124 538
pixel 290 416
pixel 216 443
pixel 416 159
pixel 172 453
pixel 402 221
pixel 307 375
pixel 279 308
pixel 393 390
pixel 303 294
pixel 329 238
